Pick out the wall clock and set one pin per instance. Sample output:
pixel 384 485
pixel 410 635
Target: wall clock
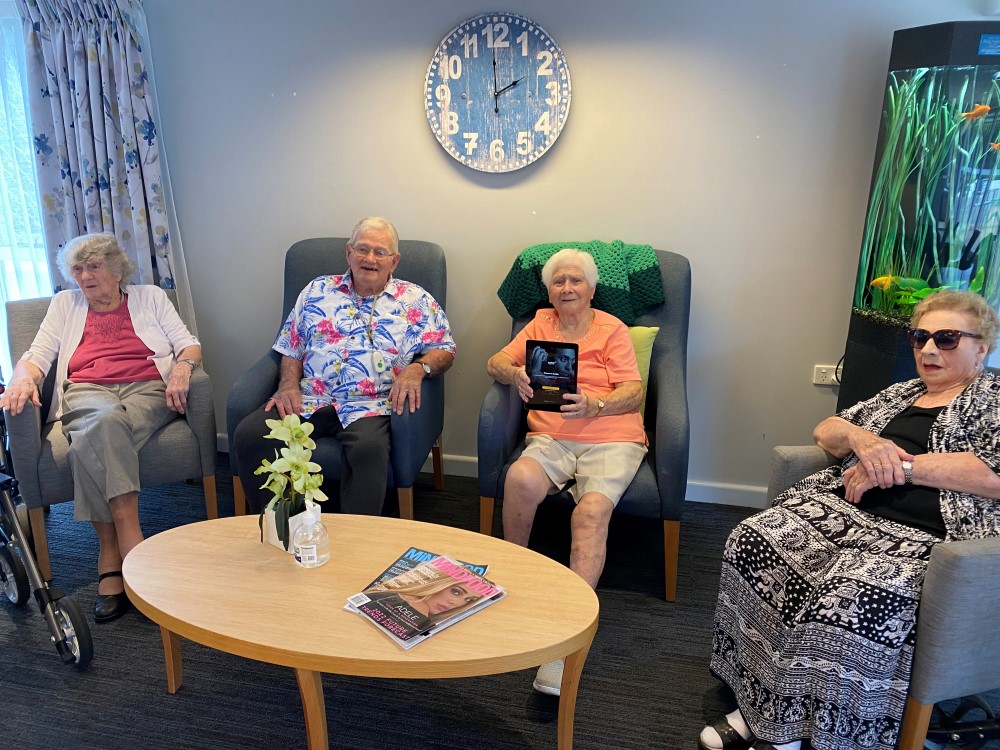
pixel 497 92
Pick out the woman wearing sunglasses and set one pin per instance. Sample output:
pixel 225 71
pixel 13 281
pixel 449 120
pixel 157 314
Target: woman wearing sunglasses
pixel 817 607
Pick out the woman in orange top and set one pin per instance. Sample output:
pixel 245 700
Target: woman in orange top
pixel 595 441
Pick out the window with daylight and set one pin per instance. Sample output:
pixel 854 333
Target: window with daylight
pixel 24 270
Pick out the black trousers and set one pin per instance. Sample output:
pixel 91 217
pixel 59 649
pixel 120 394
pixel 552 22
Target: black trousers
pixel 364 458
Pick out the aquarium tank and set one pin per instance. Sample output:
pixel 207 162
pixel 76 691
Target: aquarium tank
pixel 933 213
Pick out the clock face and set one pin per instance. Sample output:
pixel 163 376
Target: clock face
pixel 497 92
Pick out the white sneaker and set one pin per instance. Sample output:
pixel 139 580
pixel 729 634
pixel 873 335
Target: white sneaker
pixel 549 678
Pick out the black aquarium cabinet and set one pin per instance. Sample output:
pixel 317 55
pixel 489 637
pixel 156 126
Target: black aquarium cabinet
pixel 934 205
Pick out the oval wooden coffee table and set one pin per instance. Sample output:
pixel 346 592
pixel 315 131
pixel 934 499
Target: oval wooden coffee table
pixel 214 583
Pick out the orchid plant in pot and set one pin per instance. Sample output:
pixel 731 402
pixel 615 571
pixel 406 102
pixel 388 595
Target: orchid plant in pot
pixel 292 478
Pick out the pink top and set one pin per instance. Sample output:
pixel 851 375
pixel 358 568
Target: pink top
pixel 606 358
pixel 110 352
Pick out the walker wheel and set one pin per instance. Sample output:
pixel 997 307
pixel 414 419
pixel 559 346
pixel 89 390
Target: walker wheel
pixel 13 576
pixel 961 723
pixel 76 632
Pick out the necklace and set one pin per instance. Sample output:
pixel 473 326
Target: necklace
pixel 369 329
pixel 109 306
pixel 559 329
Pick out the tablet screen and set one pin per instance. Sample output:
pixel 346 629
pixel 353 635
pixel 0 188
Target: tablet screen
pixel 552 367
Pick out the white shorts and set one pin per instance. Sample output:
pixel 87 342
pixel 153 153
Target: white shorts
pixel 607 468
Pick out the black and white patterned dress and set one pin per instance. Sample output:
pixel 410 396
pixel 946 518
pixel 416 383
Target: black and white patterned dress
pixel 816 617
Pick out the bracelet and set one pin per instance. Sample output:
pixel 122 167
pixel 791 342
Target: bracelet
pixel 190 362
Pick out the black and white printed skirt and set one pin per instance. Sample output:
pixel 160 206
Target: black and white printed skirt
pixel 816 620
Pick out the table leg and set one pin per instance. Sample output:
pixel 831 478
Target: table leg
pixel 172 658
pixel 572 670
pixel 314 708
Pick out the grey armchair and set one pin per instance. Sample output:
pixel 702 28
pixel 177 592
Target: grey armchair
pixel 412 436
pixel 958 627
pixel 660 485
pixel 185 448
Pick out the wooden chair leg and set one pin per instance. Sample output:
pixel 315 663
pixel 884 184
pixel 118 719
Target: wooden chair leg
pixel 239 498
pixel 916 719
pixel 405 502
pixel 36 517
pixel 211 497
pixel 436 457
pixel 671 546
pixel 486 515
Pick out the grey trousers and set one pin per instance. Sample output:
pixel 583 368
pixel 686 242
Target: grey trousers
pixel 106 426
pixel 364 459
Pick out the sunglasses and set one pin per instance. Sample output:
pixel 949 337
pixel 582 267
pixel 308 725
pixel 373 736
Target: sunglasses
pixel 945 339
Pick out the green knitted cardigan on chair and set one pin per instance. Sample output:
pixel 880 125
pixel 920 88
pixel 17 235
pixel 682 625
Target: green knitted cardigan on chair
pixel 628 278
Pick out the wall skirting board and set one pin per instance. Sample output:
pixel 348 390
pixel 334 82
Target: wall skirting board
pixel 743 495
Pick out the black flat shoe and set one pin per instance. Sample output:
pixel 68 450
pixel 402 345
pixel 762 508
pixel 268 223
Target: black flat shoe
pixel 108 607
pixel 731 739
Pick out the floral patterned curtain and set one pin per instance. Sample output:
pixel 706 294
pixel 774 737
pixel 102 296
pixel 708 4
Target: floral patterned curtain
pixel 94 126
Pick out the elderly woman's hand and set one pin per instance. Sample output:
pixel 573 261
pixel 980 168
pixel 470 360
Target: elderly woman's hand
pixel 178 385
pixel 880 459
pixel 577 406
pixel 856 483
pixel 522 382
pixel 19 392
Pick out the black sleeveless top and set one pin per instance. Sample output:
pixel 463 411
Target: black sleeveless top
pixel 911 504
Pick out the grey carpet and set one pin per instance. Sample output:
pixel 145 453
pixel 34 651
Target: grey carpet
pixel 645 685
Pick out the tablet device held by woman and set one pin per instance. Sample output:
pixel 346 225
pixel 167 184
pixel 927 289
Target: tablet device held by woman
pixel 552 367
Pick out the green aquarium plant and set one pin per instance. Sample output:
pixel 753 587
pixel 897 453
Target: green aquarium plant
pixel 932 218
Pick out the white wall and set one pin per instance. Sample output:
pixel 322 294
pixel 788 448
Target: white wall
pixel 740 134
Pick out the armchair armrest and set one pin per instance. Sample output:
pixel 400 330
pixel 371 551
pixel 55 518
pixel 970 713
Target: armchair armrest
pixel 958 631
pixel 671 440
pixel 24 433
pixel 412 435
pixel 251 390
pixel 791 463
pixel 200 415
pixel 498 435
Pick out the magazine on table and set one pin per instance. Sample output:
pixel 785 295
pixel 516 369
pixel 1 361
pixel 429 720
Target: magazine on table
pixel 408 561
pixel 425 599
pixel 552 368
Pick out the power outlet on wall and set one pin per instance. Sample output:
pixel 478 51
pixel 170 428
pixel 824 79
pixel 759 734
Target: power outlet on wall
pixel 825 375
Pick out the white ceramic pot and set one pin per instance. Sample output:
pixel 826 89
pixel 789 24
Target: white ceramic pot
pixel 271 530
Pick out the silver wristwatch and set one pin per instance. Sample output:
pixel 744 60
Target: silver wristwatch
pixel 427 368
pixel 907 471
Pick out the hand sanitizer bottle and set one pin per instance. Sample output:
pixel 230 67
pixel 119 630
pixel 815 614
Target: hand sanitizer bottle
pixel 311 542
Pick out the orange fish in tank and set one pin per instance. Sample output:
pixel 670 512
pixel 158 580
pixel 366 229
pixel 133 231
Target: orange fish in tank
pixel 980 110
pixel 995 146
pixel 884 282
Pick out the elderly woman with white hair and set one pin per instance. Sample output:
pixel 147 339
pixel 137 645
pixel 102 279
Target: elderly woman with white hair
pixel 123 362
pixel 596 440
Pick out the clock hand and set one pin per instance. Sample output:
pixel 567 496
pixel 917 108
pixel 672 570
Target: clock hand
pixel 496 104
pixel 508 86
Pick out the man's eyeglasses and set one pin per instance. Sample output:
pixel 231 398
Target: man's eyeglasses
pixel 945 339
pixel 378 252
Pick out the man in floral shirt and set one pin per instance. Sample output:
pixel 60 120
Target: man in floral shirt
pixel 355 348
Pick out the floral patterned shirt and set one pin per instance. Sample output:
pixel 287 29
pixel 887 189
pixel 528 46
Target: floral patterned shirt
pixel 353 347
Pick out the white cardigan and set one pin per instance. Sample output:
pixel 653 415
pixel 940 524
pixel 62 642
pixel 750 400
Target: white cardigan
pixel 154 318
